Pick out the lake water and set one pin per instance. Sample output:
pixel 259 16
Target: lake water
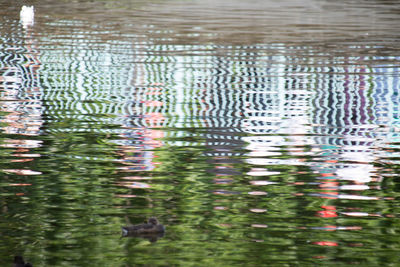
pixel 260 133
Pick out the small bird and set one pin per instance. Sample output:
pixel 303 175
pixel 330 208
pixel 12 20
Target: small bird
pixel 27 16
pixel 19 262
pixel 152 226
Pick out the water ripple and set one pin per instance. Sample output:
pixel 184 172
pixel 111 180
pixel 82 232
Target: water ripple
pixel 252 126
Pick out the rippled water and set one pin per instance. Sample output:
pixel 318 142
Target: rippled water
pixel 259 134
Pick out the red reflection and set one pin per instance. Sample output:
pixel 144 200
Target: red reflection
pixel 319 257
pixel 326 243
pixel 330 187
pixel 326 214
pixel 329 207
pixel 329 212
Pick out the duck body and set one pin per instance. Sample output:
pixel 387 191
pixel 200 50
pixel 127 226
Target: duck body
pixel 150 227
pixel 19 262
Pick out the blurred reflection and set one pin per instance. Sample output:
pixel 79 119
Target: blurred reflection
pixel 141 137
pixel 228 122
pixel 21 98
pixel 150 237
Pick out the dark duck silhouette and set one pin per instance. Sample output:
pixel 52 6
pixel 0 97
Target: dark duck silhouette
pixel 152 226
pixel 19 262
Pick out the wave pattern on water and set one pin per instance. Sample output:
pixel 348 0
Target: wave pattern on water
pixel 283 147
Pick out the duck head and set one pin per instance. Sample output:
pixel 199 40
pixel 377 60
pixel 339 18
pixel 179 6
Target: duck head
pixel 153 221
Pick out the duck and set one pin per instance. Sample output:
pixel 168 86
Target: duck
pixel 152 226
pixel 19 262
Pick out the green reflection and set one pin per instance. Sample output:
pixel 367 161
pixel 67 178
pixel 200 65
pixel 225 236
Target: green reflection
pixel 260 153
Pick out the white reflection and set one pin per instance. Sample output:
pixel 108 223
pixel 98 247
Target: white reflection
pixel 359 173
pixel 26 16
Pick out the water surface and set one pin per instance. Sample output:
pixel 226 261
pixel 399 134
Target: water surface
pixel 259 134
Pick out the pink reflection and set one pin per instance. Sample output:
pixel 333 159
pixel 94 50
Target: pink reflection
pixel 258 193
pixel 26 155
pixel 21 160
pixel 258 210
pixel 262 183
pixel 19 184
pixel 134 185
pixel 22 171
pixel 154 91
pixel 326 243
pixel 153 103
pixel 220 208
pixel 126 196
pixel 259 225
pixel 136 178
pixel 22 143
